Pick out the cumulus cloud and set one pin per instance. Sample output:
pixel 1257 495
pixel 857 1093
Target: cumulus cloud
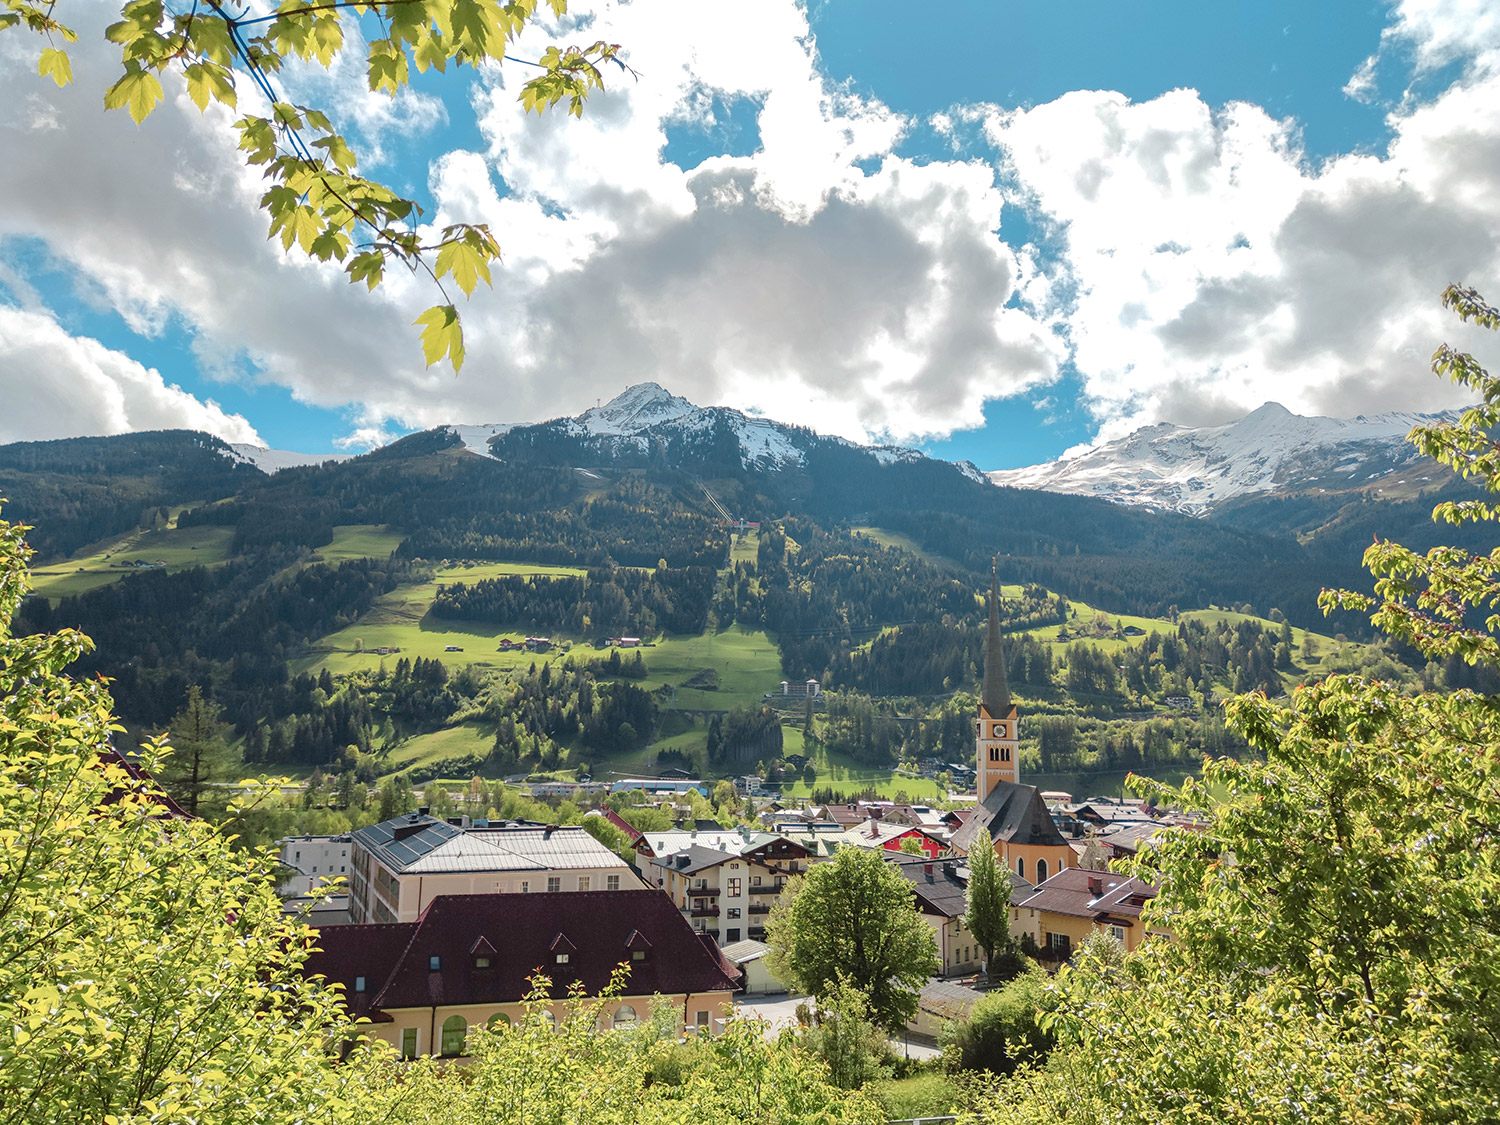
pixel 1215 268
pixel 820 278
pixel 56 385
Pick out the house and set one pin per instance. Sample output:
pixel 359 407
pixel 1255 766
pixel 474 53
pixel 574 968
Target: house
pixel 465 964
pixel 1074 903
pixel 537 644
pixel 453 648
pixel 674 773
pixel 316 859
pixel 940 1003
pixel 508 645
pixel 625 642
pixel 890 836
pixel 1011 817
pixel 942 893
pixel 397 867
pixel 728 893
pixel 750 958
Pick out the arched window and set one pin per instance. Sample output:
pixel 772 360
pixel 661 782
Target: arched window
pixel 498 1022
pixel 549 1019
pixel 1041 871
pixel 1021 866
pixel 624 1016
pixel 455 1032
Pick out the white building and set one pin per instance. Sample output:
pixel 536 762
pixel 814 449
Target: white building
pixel 315 859
pixel 399 866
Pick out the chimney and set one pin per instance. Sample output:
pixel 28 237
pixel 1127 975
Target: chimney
pixel 547 831
pixel 424 810
pixel 927 870
pixel 1096 886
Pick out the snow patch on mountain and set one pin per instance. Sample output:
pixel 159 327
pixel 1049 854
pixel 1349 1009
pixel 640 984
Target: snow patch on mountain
pixel 274 460
pixel 476 439
pixel 1192 470
pixel 635 409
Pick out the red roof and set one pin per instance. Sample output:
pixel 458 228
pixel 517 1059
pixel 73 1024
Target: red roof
pixel 623 825
pixel 596 930
pixel 1099 895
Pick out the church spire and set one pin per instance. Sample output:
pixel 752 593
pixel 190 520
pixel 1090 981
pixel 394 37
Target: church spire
pixel 996 695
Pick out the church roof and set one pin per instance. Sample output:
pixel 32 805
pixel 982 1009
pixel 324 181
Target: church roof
pixel 1013 813
pixel 996 695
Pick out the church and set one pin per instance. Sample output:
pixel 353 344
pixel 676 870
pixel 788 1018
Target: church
pixel 1010 816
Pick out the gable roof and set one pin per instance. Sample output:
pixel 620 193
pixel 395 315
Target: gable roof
pixel 1013 813
pixel 596 929
pixel 1101 896
pixel 945 890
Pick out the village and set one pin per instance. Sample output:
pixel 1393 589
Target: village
pixel 436 925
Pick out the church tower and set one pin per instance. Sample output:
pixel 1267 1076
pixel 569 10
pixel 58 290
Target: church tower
pixel 998 729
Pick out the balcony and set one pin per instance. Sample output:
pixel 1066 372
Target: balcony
pixel 704 912
pixel 764 889
pixel 760 908
pixel 700 892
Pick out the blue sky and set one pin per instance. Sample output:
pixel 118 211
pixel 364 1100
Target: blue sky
pixel 997 231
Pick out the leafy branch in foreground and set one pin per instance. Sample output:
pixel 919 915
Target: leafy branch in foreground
pixel 316 198
pixel 1428 600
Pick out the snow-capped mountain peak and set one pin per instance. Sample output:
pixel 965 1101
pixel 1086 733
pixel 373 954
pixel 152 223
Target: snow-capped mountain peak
pixel 1194 469
pixel 635 409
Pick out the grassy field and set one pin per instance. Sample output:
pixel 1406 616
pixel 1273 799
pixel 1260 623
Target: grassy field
pixel 906 543
pixel 745 547
pixel 359 541
pixel 401 619
pixel 747 661
pixel 95 565
pixel 453 742
pixel 842 772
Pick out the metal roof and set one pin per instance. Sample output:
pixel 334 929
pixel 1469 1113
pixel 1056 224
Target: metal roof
pixel 420 845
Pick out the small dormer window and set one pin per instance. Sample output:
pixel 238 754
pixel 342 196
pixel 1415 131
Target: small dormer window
pixel 562 958
pixel 635 955
pixel 359 984
pixel 434 963
pixel 481 962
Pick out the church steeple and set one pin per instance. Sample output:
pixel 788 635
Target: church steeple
pixel 996 694
pixel 998 748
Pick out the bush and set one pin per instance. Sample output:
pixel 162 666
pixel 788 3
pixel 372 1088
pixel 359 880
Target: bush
pixel 926 1095
pixel 1003 1030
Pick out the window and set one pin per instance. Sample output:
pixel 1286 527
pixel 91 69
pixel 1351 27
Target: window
pixel 554 883
pixel 408 1042
pixel 583 882
pixel 315 869
pixel 498 1022
pixel 1058 941
pixel 455 1031
pixel 611 882
pixel 703 1019
pixel 481 962
pixel 525 886
pixel 624 1015
pixel 434 963
pixel 1021 866
pixel 342 868
pixel 734 911
pixel 703 884
pixel 637 954
pixel 1118 933
pixel 359 984
pixel 732 935
pixel 562 958
pixel 734 886
pixel 755 880
pixel 1005 753
pixel 1041 871
pixel 994 753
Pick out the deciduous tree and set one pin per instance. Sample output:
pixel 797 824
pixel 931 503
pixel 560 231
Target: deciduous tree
pixel 855 919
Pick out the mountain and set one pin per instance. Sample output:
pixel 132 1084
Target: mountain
pixel 274 460
pixel 1269 451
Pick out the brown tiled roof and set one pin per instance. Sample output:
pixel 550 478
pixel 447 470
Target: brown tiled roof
pixel 1097 895
pixel 945 891
pixel 597 930
pixel 346 953
pixel 1011 812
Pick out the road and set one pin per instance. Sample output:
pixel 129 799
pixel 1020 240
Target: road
pixel 781 1011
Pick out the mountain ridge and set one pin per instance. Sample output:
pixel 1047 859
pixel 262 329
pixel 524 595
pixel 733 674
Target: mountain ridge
pixel 1194 470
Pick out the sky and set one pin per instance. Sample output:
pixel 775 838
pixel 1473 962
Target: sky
pixel 993 230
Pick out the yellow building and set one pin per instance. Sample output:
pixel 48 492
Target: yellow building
pixel 1073 904
pixel 1010 816
pixel 468 960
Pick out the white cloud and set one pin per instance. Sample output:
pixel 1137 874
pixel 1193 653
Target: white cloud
pixel 1216 268
pixel 820 278
pixel 55 385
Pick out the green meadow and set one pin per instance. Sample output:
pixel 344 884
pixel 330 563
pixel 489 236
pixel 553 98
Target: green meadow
pixel 108 561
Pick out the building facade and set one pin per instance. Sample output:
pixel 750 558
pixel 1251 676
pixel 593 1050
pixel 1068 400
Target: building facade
pixel 399 866
pixel 728 894
pixel 469 961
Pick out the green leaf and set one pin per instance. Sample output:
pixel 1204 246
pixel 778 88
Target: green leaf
pixel 55 63
pixel 368 267
pixel 442 334
pixel 137 91
pixel 466 262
